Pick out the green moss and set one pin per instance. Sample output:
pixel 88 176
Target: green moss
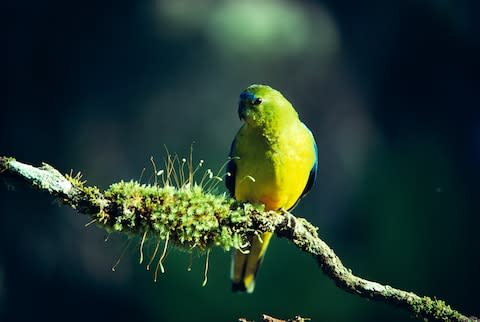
pixel 189 216
pixel 76 180
pixel 4 163
pixel 91 193
pixel 438 309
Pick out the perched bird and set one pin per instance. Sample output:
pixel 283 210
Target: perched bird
pixel 273 161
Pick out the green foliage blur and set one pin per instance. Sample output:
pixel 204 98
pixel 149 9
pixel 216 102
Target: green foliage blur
pixel 390 90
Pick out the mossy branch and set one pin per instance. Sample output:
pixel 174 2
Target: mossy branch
pixel 189 217
pixel 268 318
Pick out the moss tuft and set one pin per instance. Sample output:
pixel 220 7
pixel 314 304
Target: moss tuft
pixel 4 163
pixel 189 216
pixel 437 309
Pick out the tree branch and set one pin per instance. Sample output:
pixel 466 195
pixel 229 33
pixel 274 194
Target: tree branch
pixel 190 217
pixel 268 318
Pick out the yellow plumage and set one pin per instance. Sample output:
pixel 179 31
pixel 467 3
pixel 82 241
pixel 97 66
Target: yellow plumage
pixel 274 161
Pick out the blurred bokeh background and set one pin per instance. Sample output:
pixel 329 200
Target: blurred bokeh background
pixel 390 90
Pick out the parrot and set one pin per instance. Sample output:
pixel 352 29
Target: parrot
pixel 273 161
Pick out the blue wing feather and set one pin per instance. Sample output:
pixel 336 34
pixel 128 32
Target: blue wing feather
pixel 313 173
pixel 232 169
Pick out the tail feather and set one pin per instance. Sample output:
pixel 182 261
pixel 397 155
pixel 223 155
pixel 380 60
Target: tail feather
pixel 240 287
pixel 245 266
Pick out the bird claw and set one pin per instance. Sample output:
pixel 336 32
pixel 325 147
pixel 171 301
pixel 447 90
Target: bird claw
pixel 290 218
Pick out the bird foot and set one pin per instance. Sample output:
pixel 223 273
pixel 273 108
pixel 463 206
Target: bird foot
pixel 291 220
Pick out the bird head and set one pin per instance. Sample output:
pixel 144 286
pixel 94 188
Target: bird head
pixel 261 105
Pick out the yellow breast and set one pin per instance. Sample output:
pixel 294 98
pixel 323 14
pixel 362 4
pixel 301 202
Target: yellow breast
pixel 273 169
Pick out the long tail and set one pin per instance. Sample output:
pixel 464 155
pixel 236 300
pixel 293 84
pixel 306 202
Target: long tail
pixel 245 266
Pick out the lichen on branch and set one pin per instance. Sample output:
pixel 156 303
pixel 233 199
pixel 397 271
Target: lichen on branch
pixel 189 215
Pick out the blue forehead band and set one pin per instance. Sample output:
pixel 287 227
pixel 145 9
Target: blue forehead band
pixel 247 96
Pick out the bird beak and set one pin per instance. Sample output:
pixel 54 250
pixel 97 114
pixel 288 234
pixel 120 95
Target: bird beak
pixel 246 98
pixel 242 108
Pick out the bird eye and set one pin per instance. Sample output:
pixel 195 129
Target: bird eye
pixel 257 101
